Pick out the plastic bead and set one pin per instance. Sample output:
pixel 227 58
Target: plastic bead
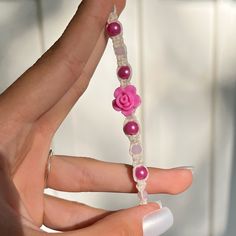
pixel 114 28
pixel 136 149
pixel 140 173
pixel 124 72
pixel 131 128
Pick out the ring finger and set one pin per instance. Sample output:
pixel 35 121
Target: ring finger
pixel 84 174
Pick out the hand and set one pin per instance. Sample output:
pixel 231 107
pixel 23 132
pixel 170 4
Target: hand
pixel 32 109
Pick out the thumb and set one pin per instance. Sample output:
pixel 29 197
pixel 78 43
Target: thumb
pixel 146 220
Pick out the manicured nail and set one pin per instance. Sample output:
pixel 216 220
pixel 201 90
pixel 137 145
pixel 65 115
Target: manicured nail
pixel 157 222
pixel 159 203
pixel 191 168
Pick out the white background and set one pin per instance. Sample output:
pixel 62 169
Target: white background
pixel 183 56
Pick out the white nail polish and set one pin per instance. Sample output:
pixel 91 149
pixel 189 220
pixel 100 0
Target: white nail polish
pixel 191 168
pixel 157 222
pixel 159 203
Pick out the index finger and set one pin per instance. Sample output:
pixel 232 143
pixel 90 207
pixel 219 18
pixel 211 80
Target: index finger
pixel 39 88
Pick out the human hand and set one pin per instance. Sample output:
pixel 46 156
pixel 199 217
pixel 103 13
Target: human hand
pixel 32 109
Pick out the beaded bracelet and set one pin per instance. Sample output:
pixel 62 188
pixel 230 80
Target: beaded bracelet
pixel 126 101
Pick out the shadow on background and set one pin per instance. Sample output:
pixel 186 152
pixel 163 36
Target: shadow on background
pixel 19 22
pixel 229 98
pixel 229 93
pixel 22 20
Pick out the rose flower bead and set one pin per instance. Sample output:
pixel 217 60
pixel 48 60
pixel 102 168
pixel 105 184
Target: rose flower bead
pixel 126 100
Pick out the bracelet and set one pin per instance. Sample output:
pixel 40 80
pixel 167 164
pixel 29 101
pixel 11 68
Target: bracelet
pixel 127 101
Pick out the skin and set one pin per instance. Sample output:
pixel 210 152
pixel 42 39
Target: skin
pixel 32 109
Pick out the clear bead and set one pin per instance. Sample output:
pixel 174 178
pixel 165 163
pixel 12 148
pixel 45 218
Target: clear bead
pixel 143 197
pixel 136 149
pixel 120 51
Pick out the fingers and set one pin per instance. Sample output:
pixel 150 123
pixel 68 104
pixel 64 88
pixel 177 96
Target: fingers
pixel 63 215
pixel 53 118
pixel 42 86
pixel 125 222
pixel 86 174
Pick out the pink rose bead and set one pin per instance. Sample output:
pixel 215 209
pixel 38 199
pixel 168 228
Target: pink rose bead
pixel 126 100
pixel 114 28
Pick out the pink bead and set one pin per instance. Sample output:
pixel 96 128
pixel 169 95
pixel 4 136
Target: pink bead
pixel 131 128
pixel 120 51
pixel 113 29
pixel 141 172
pixel 136 149
pixel 126 100
pixel 124 72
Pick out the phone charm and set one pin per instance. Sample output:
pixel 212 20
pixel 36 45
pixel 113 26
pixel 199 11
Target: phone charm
pixel 126 100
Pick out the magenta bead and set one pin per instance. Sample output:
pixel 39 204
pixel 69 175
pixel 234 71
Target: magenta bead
pixel 131 128
pixel 124 72
pixel 113 29
pixel 141 172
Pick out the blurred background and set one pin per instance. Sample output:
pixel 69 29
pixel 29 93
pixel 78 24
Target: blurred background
pixel 183 54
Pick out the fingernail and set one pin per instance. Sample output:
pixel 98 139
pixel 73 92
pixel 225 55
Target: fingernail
pixel 157 222
pixel 191 168
pixel 159 203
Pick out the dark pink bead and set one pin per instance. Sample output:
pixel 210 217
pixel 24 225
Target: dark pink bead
pixel 131 128
pixel 124 72
pixel 113 29
pixel 141 172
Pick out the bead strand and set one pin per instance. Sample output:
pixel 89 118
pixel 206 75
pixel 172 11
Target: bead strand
pixel 126 100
